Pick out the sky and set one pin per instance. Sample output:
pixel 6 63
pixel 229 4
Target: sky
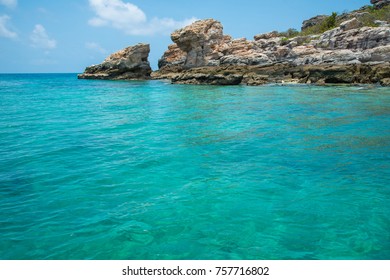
pixel 65 36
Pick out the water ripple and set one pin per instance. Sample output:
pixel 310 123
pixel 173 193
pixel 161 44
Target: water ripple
pixel 149 170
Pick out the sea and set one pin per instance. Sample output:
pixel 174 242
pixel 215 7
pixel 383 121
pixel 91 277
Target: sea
pixel 148 170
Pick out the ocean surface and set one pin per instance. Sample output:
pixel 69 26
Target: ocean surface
pixel 150 170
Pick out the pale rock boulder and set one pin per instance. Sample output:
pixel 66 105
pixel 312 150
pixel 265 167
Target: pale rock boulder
pixel 243 52
pixel 199 41
pixel 382 23
pixel 266 36
pixel 340 57
pixel 303 55
pixel 378 55
pixel 270 44
pixel 130 63
pixel 350 24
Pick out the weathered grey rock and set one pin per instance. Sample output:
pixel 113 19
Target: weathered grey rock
pixel 253 79
pixel 199 41
pixel 287 73
pixel 377 55
pixel 173 56
pixel 266 36
pixel 357 39
pixel 200 77
pixel 382 23
pixel 350 53
pixel 262 45
pixel 243 52
pixel 385 82
pixel 380 3
pixel 313 21
pixel 130 63
pixel 350 24
pixel 360 14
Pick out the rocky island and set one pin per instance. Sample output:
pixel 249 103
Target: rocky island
pixel 130 63
pixel 351 48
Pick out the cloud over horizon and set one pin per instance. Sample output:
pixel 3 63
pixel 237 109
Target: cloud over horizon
pixel 130 19
pixel 40 39
pixel 4 31
pixel 9 3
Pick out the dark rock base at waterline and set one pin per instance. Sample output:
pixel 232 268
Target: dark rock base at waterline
pixel 280 73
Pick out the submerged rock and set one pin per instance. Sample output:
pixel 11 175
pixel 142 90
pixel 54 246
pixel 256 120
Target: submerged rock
pixel 130 63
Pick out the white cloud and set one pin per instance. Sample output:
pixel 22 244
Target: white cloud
pixel 95 47
pixel 40 39
pixel 4 31
pixel 9 3
pixel 131 19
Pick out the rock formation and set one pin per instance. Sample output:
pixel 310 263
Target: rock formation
pixel 352 50
pixel 349 53
pixel 130 63
pixel 173 56
pixel 199 41
pixel 313 21
pixel 380 3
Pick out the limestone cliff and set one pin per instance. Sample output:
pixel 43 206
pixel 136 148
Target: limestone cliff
pixel 349 48
pixel 348 53
pixel 130 63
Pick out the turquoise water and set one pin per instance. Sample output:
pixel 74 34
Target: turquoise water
pixel 149 170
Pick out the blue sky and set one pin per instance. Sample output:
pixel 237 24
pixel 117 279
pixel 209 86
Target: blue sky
pixel 66 36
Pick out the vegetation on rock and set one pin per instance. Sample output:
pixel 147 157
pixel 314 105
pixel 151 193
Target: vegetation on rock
pixel 369 16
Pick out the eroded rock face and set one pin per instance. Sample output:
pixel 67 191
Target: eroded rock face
pixel 173 56
pixel 199 41
pixel 380 3
pixel 130 63
pixel 354 39
pixel 207 77
pixel 201 49
pixel 313 21
pixel 286 73
pixel 347 44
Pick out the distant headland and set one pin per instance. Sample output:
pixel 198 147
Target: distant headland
pixel 350 48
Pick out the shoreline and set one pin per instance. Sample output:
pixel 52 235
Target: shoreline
pixel 351 48
pixel 280 74
pixel 279 84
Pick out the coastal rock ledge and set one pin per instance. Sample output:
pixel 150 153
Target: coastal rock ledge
pixel 130 63
pixel 349 48
pixel 350 53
